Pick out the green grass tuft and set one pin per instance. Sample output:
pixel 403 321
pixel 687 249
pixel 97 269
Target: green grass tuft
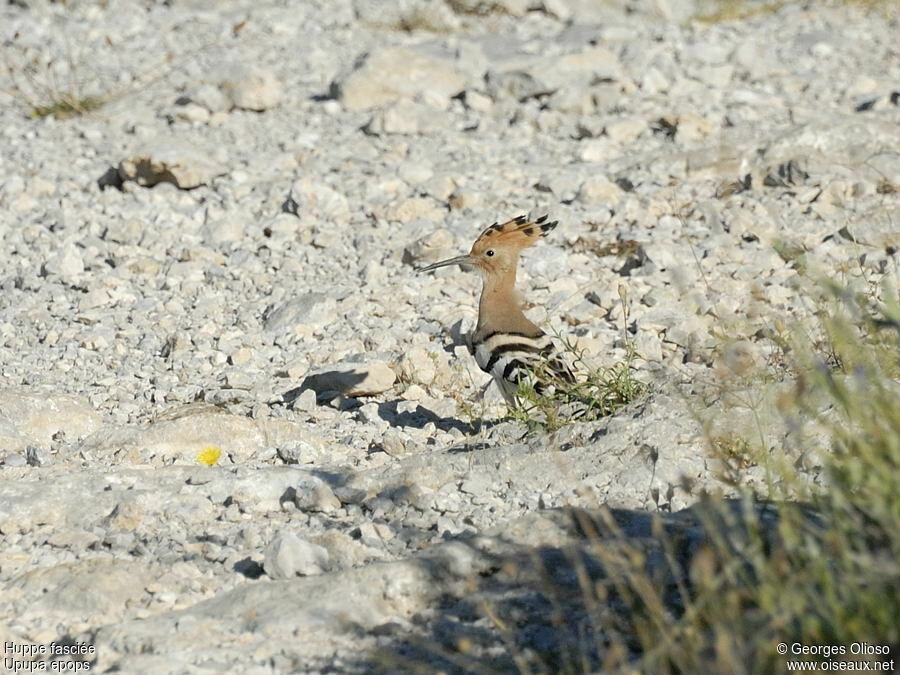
pixel 736 10
pixel 68 105
pixel 719 11
pixel 597 391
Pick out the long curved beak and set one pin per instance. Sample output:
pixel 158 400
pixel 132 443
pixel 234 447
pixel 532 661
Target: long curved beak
pixel 458 260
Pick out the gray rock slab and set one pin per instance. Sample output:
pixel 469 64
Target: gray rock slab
pixel 36 418
pixel 88 587
pixel 182 433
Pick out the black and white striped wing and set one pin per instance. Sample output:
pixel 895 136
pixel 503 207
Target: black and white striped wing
pixel 514 358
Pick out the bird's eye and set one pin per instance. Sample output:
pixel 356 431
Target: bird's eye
pixel 489 253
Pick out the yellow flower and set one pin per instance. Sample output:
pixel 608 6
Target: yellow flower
pixel 209 455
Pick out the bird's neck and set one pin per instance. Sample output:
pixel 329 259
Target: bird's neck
pixel 500 307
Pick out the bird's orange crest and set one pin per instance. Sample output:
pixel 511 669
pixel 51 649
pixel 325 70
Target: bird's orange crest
pixel 516 234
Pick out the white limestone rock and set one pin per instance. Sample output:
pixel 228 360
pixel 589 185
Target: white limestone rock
pixel 288 556
pixel 66 262
pixel 318 201
pixel 352 378
pixel 393 73
pixel 180 164
pixel 251 87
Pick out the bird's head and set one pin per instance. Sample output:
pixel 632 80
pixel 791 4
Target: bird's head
pixel 496 251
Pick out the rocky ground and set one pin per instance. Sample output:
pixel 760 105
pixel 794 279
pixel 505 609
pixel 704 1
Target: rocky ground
pixel 238 431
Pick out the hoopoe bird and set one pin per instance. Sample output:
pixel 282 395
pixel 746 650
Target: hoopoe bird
pixel 505 342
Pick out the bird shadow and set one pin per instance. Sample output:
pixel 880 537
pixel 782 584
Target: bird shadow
pixel 390 412
pixel 417 418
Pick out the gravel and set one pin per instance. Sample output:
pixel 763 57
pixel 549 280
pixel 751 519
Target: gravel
pixel 233 415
